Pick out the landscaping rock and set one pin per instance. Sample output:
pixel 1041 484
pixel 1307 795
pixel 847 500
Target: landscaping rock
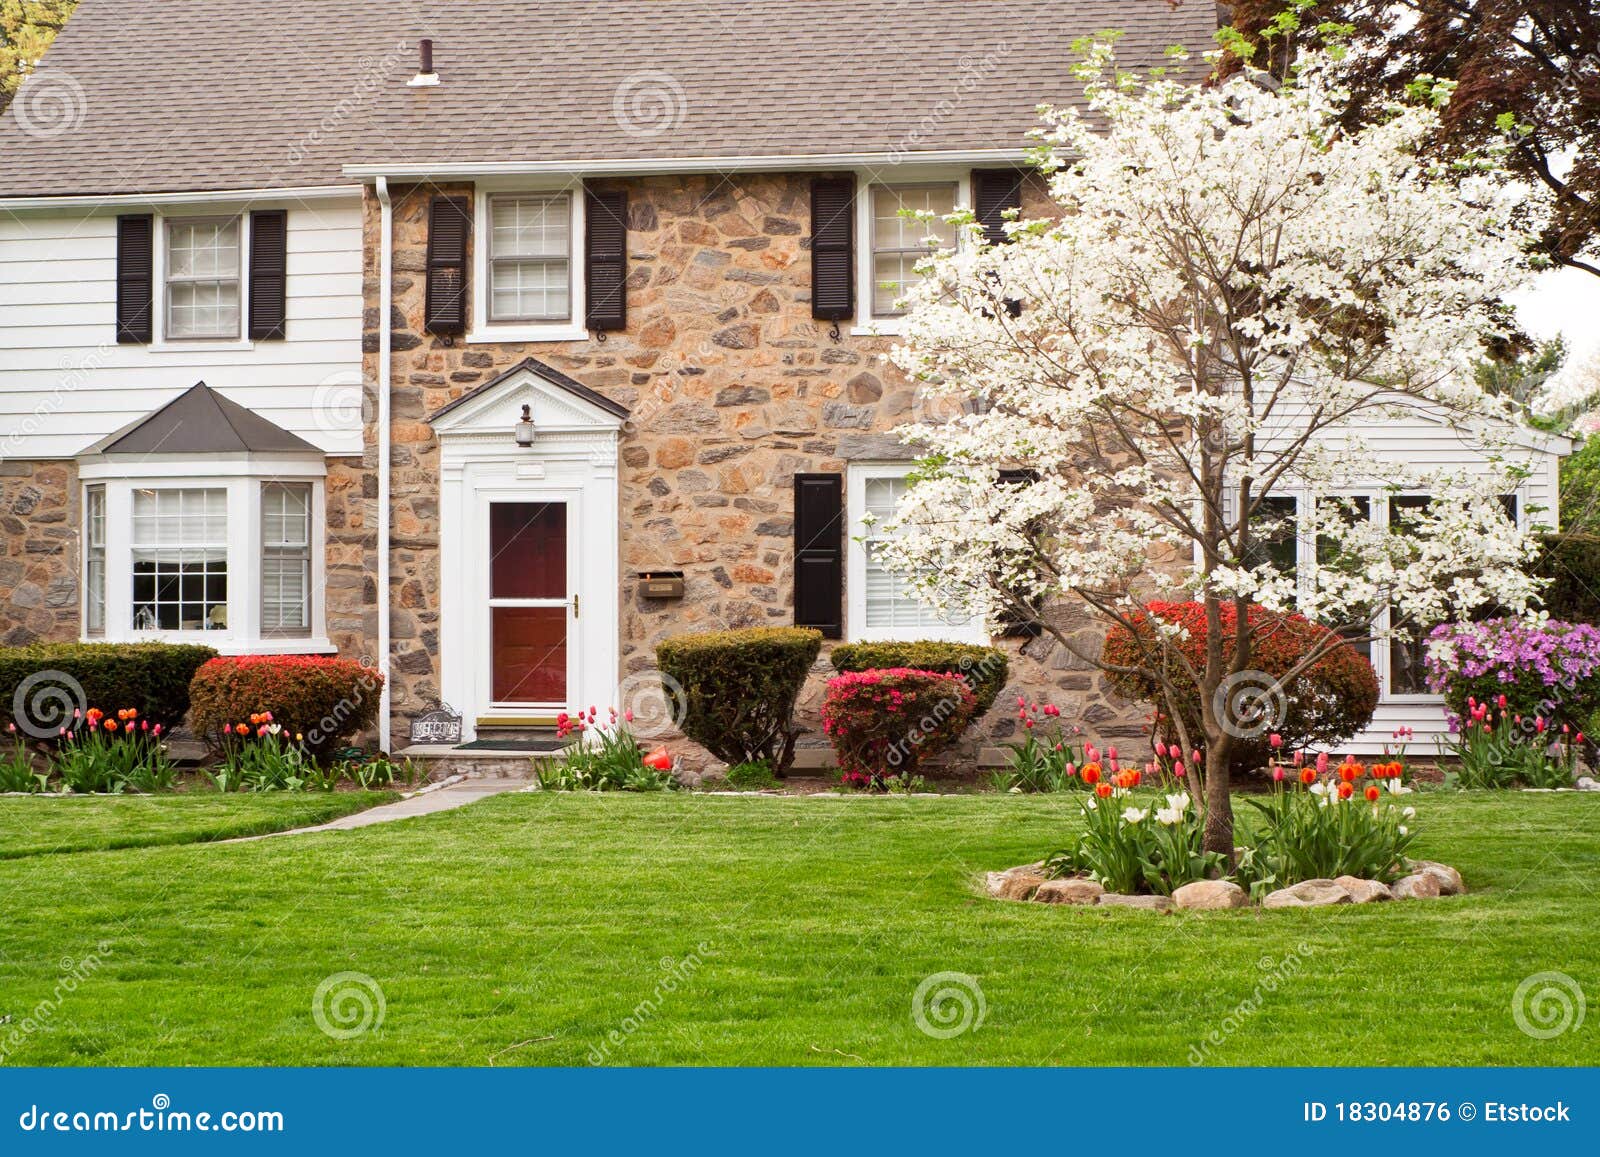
pixel 1143 903
pixel 1307 894
pixel 1450 883
pixel 1420 886
pixel 1588 783
pixel 1071 891
pixel 1364 891
pixel 1014 883
pixel 1207 895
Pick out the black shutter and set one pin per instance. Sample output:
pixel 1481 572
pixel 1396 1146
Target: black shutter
pixel 819 553
pixel 269 273
pixel 606 253
pixel 135 278
pixel 1013 625
pixel 833 295
pixel 993 192
pixel 449 226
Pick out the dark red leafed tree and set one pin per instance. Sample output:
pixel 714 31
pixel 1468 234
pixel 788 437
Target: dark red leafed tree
pixel 1538 60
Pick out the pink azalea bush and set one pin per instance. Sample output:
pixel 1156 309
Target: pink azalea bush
pixel 1534 668
pixel 887 723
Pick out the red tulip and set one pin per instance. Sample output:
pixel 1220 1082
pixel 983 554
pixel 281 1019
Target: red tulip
pixel 659 759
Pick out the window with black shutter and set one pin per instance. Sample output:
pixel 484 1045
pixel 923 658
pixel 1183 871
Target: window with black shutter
pixel 135 278
pixel 1016 624
pixel 832 248
pixel 269 273
pixel 994 191
pixel 819 553
pixel 449 226
pixel 606 251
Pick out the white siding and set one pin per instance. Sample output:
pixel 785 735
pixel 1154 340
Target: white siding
pixel 65 382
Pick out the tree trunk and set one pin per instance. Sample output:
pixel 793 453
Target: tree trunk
pixel 1219 801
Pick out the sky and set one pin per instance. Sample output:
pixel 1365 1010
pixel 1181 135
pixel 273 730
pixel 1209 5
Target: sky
pixel 1567 302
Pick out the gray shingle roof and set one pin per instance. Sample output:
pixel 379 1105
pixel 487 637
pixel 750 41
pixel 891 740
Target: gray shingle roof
pixel 202 421
pixel 208 94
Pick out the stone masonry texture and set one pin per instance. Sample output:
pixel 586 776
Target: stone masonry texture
pixel 734 388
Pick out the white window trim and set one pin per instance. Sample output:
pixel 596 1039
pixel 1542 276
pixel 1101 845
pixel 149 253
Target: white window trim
pixel 865 324
pixel 1306 561
pixel 856 567
pixel 242 477
pixel 483 330
pixel 159 341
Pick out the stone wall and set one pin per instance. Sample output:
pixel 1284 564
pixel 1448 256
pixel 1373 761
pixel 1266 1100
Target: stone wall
pixel 39 560
pixel 734 388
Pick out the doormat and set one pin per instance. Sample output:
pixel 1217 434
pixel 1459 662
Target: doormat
pixel 514 745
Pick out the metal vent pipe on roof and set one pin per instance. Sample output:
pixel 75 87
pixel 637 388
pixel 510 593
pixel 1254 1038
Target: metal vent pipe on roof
pixel 425 74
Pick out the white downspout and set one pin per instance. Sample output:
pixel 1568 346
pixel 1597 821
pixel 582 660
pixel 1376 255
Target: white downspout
pixel 385 305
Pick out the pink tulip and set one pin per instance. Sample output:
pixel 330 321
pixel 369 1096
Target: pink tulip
pixel 1322 762
pixel 1111 754
pixel 1277 774
pixel 1161 750
pixel 1177 769
pixel 1275 740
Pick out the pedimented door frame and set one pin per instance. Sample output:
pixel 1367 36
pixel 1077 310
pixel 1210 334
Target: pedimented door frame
pixel 573 459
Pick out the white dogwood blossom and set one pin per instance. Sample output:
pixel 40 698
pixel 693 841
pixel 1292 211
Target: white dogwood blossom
pixel 1233 291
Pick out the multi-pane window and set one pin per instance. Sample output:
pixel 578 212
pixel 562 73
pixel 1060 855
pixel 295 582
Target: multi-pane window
pixel 1275 537
pixel 1357 623
pixel 286 558
pixel 530 258
pixel 94 560
pixel 203 279
pixel 1408 645
pixel 892 607
pixel 900 241
pixel 180 559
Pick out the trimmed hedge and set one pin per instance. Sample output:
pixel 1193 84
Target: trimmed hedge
pixel 1325 704
pixel 739 689
pixel 984 668
pixel 1572 564
pixel 56 678
pixel 325 699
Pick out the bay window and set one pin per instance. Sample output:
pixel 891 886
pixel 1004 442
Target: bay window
pixel 229 554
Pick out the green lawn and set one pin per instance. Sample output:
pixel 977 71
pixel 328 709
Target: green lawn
pixel 34 825
pixel 702 930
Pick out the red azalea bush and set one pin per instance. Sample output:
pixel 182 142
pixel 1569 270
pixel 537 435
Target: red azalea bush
pixel 325 699
pixel 1322 706
pixel 885 723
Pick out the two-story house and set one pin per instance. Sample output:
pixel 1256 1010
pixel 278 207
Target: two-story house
pixel 529 333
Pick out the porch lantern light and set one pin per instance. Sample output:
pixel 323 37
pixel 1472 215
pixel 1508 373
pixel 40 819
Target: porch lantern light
pixel 525 427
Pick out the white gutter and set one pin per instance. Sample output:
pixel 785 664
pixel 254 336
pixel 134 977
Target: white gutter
pixel 669 165
pixel 135 200
pixel 385 304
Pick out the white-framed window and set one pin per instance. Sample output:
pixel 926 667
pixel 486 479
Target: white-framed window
pixel 1287 541
pixel 286 558
pixel 530 257
pixel 900 240
pixel 179 554
pixel 527 265
pixel 881 605
pixel 229 553
pixel 203 275
pixel 94 560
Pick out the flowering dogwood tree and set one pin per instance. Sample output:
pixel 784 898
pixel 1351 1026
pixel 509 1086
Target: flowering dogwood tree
pixel 1235 288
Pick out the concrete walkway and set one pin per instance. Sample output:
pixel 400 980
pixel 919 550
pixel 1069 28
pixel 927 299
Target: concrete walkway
pixel 423 803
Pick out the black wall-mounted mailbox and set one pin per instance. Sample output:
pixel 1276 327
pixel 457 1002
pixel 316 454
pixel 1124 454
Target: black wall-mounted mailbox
pixel 661 584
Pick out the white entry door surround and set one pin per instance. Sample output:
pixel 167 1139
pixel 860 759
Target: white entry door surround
pixel 572 464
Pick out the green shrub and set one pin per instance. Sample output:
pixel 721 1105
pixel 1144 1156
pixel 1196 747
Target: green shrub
pixel 984 668
pixel 54 679
pixel 739 689
pixel 1572 564
pixel 319 699
pixel 752 776
pixel 16 768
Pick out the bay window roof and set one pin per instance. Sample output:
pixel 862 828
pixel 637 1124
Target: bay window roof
pixel 202 421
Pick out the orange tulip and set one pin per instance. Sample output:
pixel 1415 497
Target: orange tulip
pixel 1372 793
pixel 1103 791
pixel 1091 773
pixel 1308 775
pixel 1346 790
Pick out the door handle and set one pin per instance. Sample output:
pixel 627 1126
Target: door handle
pixel 574 606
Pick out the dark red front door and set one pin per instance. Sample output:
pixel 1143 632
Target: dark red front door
pixel 528 601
